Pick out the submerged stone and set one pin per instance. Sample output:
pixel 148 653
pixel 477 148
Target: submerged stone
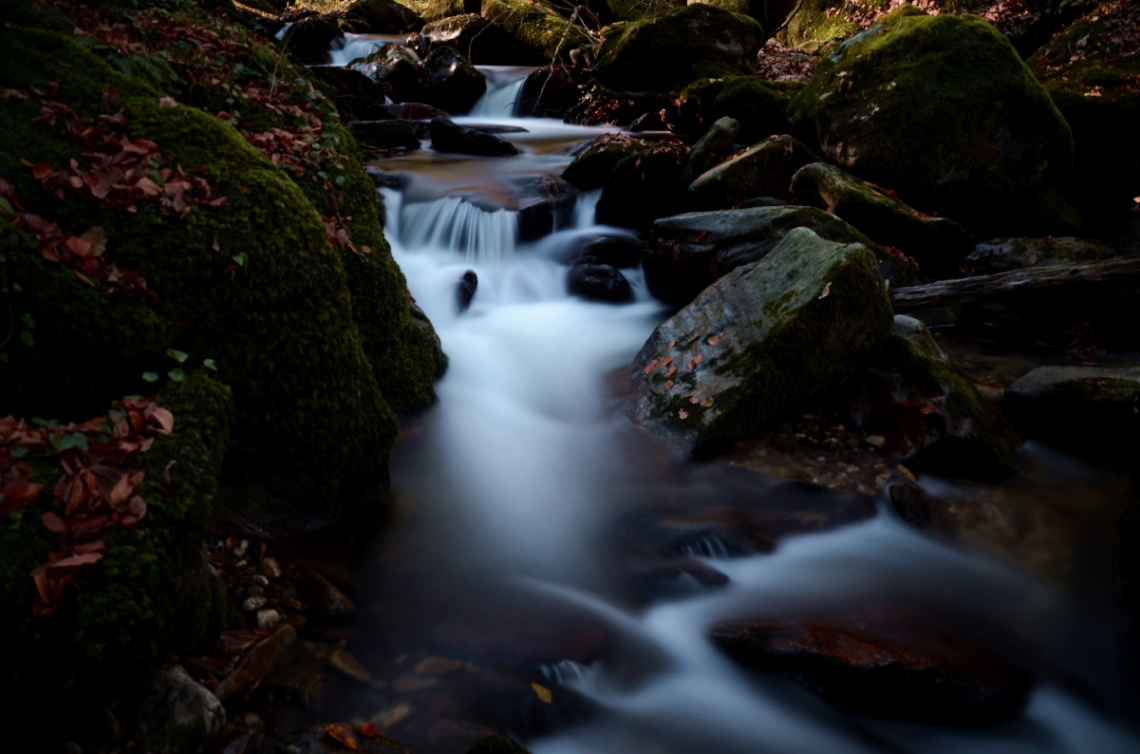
pixel 766 340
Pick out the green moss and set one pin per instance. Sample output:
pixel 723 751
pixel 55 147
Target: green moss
pixel 819 23
pixel 663 54
pixel 150 595
pixel 311 421
pixel 635 10
pixel 536 25
pixel 971 133
pixel 761 107
pixel 434 10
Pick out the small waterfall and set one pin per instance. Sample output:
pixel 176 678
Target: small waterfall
pixel 454 224
pixel 503 86
pixel 355 46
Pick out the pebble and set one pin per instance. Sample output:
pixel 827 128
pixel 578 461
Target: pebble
pixel 876 441
pixel 258 580
pixel 253 603
pixel 345 662
pixel 268 619
pixel 392 715
pixel 255 591
pixel 436 666
pixel 270 568
pixel 241 549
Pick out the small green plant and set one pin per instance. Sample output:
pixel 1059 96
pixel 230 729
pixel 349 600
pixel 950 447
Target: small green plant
pixel 177 374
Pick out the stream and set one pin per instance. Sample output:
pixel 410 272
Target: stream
pixel 514 490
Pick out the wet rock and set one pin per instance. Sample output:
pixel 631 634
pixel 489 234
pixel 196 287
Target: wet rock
pixel 617 251
pixel 760 106
pixel 547 92
pixel 1083 409
pixel 318 740
pixel 640 190
pixel 398 69
pixel 670 579
pixel 354 92
pixel 928 413
pixel 387 134
pixel 1008 254
pixel 974 137
pixel 382 17
pixel 267 620
pixel 938 245
pixel 310 39
pixel 660 54
pixel 413 111
pixel 481 41
pixel 253 604
pixel 430 666
pixel 453 83
pixel 324 599
pixel 888 662
pixel 465 292
pixel 258 663
pixel 598 282
pixel 496 745
pixel 449 136
pixel 538 28
pixel 712 149
pixel 687 253
pixel 762 342
pixel 269 568
pixel 1129 535
pixel 179 715
pixel 594 164
pixel 343 661
pixel 764 169
pixel 544 203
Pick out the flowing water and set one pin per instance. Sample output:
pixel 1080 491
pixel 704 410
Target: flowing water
pixel 516 478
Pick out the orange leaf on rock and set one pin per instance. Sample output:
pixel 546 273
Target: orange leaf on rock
pixel 79 560
pixel 342 734
pixel 368 730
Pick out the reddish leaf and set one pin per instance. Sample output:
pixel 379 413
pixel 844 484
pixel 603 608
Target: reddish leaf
pixel 54 523
pixel 368 730
pixel 342 734
pixel 79 560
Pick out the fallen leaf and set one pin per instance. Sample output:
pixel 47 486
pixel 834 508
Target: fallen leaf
pixel 342 734
pixel 368 730
pixel 542 692
pixel 826 292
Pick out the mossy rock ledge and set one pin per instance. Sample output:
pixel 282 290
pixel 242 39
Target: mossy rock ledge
pixel 311 424
pixel 764 341
pixel 942 110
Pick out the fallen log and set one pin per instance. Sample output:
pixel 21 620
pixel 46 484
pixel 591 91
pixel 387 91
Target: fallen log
pixel 993 288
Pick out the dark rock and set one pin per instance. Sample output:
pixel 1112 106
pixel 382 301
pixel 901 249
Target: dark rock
pixel 599 282
pixel 398 69
pixel 888 662
pixel 179 715
pixel 382 17
pixel 310 39
pixel 762 342
pixel 760 106
pixel 1084 409
pixel 389 134
pixel 764 169
pixel 453 83
pixel 594 164
pixel 496 745
pixel 640 190
pixel 258 663
pixel 384 179
pixel 544 203
pixel 354 92
pixel 449 136
pixel 412 111
pixel 712 149
pixel 547 92
pixel 325 600
pixel 686 253
pixel 770 14
pixel 481 41
pixel 318 741
pixel 973 135
pixel 537 27
pixel 926 411
pixel 1008 254
pixel 653 122
pixel 466 289
pixel 616 251
pixel 938 244
pixel 671 578
pixel 660 54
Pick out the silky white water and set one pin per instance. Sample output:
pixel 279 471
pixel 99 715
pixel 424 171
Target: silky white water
pixel 526 460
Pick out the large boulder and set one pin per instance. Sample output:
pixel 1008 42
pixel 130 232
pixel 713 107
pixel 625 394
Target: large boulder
pixel 452 83
pixel 309 39
pixel 481 41
pixel 662 54
pixel 1090 71
pixel 594 163
pixel 712 148
pixel 766 340
pixel 687 253
pixel 551 36
pixel 1009 254
pixel 938 245
pixel 643 188
pixel 889 661
pixel 547 92
pixel 382 17
pixel 1084 409
pixel 943 111
pixel 398 69
pixel 435 10
pixel 763 170
pixel 636 10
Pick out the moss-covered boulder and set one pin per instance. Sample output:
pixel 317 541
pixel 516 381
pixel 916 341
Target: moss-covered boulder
pixel 382 17
pixel 712 148
pixel 434 10
pixel 942 110
pixel 817 24
pixel 687 253
pixel 252 284
pixel 1008 254
pixel 764 341
pixel 481 41
pixel 938 244
pixel 770 14
pixel 1084 409
pixel 636 10
pixel 664 53
pixel 151 593
pixel 760 106
pixel 764 169
pixel 550 35
pixel 1091 71
pixel 928 413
